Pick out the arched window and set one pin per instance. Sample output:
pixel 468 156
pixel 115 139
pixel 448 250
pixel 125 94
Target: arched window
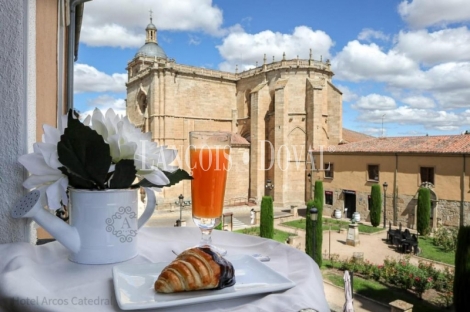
pixel 142 103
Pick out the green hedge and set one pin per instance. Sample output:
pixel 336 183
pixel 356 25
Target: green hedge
pixel 462 270
pixel 424 211
pixel 376 204
pixel 266 228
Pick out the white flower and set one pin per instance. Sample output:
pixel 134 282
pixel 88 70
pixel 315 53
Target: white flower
pixel 43 165
pixel 128 142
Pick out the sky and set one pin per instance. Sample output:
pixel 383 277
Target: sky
pixel 403 66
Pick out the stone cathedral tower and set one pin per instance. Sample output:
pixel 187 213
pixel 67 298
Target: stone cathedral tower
pixel 275 112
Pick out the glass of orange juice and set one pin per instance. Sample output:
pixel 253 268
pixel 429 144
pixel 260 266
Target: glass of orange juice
pixel 209 159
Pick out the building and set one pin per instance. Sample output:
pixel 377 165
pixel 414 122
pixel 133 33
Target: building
pixel 405 164
pixel 36 53
pixel 275 112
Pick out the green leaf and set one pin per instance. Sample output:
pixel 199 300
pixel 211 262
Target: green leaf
pixel 84 153
pixel 124 174
pixel 174 177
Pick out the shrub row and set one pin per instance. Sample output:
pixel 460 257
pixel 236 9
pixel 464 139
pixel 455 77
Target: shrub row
pixel 403 275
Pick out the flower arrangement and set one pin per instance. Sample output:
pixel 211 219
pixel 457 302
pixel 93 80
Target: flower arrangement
pixel 102 152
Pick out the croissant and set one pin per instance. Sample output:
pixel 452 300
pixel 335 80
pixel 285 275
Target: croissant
pixel 195 269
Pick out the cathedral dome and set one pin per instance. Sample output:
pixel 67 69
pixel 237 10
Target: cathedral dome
pixel 151 26
pixel 151 49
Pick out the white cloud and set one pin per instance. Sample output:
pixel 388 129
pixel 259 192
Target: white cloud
pixel 111 35
pixel 246 49
pixel 89 79
pixel 121 23
pixel 375 102
pixel 367 34
pixel 348 95
pixel 429 119
pixel 424 13
pixel 194 40
pixel 419 102
pixel 374 131
pixel 445 45
pixel 446 82
pixel 357 62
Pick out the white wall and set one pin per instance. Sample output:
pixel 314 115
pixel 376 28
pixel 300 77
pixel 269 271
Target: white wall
pixel 17 110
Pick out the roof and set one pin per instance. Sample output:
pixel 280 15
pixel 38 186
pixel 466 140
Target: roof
pixel 353 136
pixel 151 26
pixel 239 140
pixel 151 49
pixel 445 144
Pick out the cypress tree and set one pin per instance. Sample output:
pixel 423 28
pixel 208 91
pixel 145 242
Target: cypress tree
pixel 318 193
pixel 376 205
pixel 462 270
pixel 309 230
pixel 424 211
pixel 266 228
pixel 317 203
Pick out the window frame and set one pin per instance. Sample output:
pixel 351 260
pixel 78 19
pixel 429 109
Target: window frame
pixel 329 193
pixel 368 173
pixel 433 175
pixel 330 172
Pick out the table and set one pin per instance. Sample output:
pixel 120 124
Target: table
pixel 40 278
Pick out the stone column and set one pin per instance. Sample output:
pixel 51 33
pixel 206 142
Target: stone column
pixel 313 103
pixel 280 146
pixel 257 150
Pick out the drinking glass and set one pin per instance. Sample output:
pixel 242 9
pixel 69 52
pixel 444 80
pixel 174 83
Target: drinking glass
pixel 209 159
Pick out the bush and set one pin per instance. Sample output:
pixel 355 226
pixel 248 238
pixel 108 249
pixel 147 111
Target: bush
pixel 266 228
pixel 376 205
pixel 403 274
pixel 462 270
pixel 424 211
pixel 446 238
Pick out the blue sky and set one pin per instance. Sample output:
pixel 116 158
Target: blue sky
pixel 404 62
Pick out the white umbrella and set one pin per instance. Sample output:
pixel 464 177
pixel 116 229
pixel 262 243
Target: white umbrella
pixel 348 305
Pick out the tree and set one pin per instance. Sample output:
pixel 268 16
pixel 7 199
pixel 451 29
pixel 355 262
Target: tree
pixel 309 230
pixel 318 193
pixel 376 204
pixel 424 211
pixel 317 203
pixel 462 270
pixel 266 228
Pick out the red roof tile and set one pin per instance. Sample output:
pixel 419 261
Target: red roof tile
pixel 445 144
pixel 353 136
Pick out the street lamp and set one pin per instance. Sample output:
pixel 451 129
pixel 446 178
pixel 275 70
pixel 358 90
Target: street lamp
pixel 181 203
pixel 314 218
pixel 269 184
pixel 385 185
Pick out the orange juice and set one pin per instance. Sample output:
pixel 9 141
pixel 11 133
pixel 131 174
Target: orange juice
pixel 209 168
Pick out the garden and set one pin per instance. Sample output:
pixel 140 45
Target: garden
pixel 424 286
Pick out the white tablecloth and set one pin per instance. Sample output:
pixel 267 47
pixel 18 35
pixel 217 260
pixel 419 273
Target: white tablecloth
pixel 40 278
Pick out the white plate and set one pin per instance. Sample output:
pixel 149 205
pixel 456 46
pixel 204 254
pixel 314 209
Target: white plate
pixel 133 284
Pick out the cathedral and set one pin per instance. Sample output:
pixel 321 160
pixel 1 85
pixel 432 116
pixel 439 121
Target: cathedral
pixel 276 113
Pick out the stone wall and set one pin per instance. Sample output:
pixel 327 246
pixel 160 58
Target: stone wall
pixel 447 213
